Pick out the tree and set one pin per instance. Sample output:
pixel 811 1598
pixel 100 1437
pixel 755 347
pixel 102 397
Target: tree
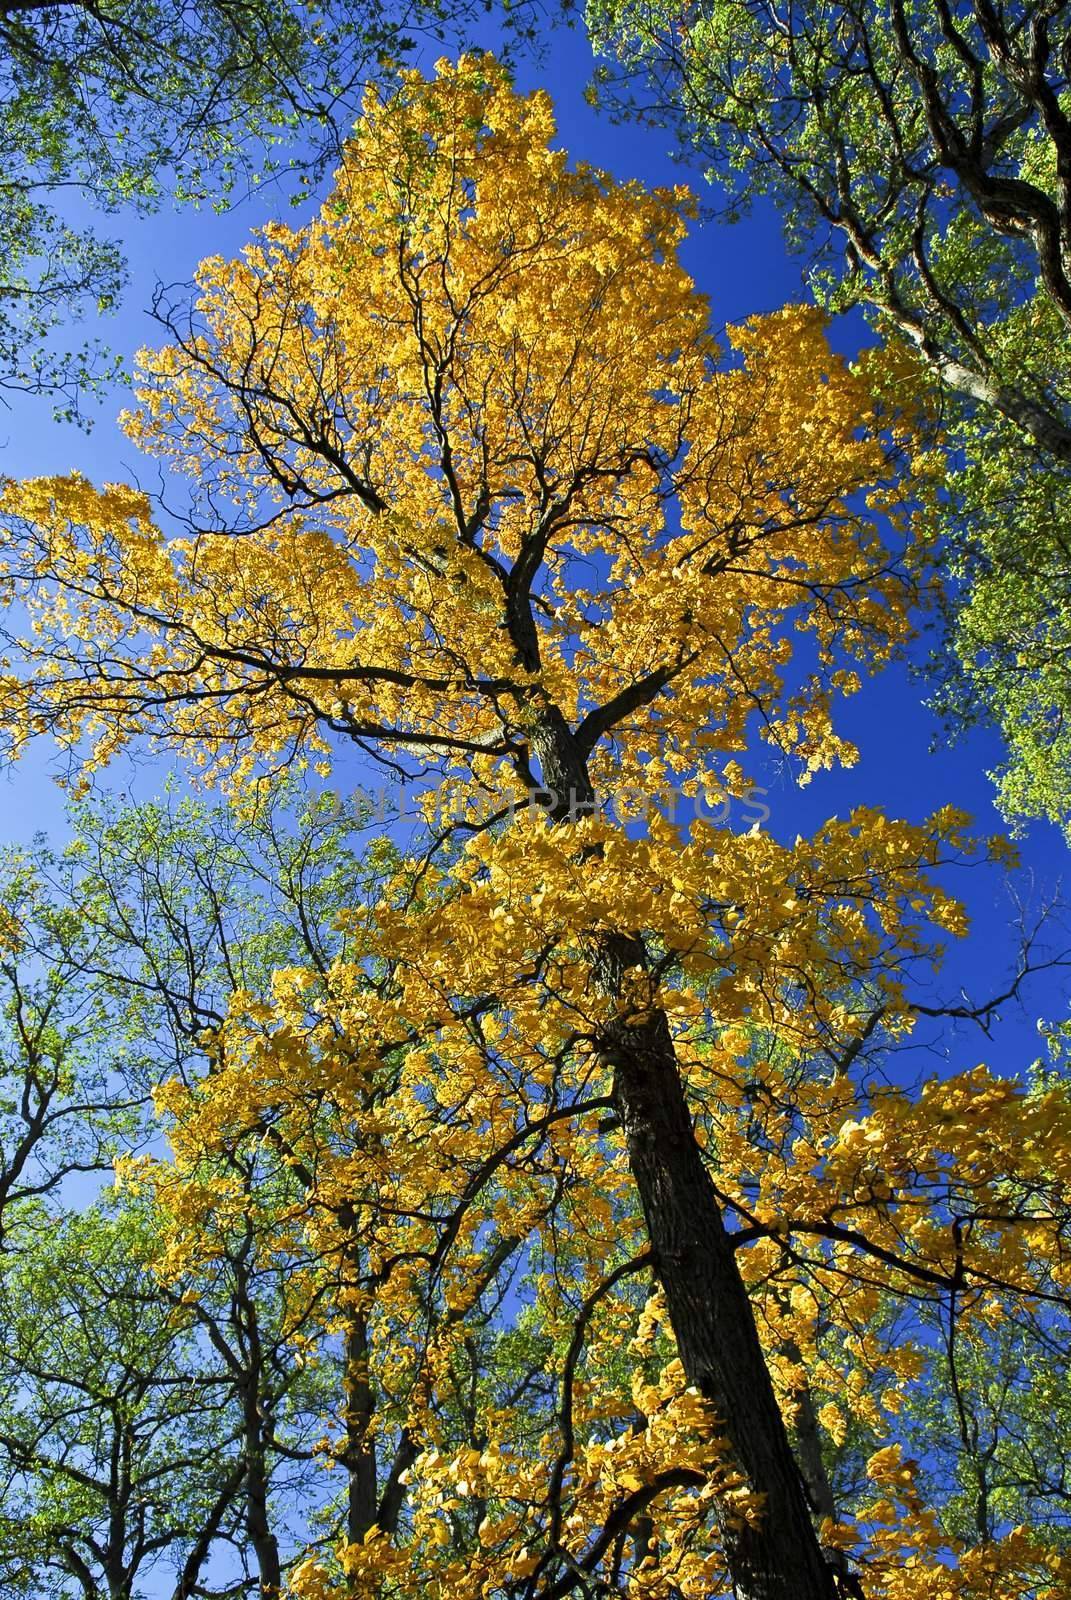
pixel 165 1430
pixel 347 1209
pixel 475 495
pixel 70 1095
pixel 115 105
pixel 116 1445
pixel 919 154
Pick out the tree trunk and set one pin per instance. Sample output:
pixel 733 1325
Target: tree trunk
pixel 776 1557
pixel 359 1456
pixel 257 1515
pixel 258 1523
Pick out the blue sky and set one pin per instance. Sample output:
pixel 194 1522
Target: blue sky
pixel 906 766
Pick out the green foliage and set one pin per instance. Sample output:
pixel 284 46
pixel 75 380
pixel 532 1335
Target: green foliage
pixel 990 1423
pixel 144 1416
pixel 116 1444
pixel 70 1098
pixel 1008 513
pixel 199 902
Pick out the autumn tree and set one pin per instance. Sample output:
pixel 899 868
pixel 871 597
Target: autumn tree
pixel 475 494
pixel 919 155
pixel 188 1426
pixel 124 106
pixel 477 1284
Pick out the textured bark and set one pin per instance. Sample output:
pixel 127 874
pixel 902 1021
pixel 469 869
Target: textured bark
pixel 777 1557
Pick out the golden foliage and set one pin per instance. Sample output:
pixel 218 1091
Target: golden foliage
pixel 474 488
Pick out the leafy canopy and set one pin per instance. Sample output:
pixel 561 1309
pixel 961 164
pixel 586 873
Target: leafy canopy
pixel 112 107
pixel 918 154
pixel 463 451
pixel 473 490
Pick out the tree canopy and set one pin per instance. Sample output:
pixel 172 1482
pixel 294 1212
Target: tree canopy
pixel 556 1141
pixel 919 155
pixel 115 107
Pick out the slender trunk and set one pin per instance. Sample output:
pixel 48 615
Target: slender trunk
pixel 1037 421
pixel 257 1514
pixel 393 1498
pixel 808 1443
pixel 643 1533
pixel 188 1582
pixel 776 1557
pixel 359 1456
pixel 257 1520
pixel 809 1448
pixel 116 1574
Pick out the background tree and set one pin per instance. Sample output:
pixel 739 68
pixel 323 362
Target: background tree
pixel 71 1097
pixel 348 1236
pixel 521 1397
pixel 919 155
pixel 162 1431
pixel 117 1443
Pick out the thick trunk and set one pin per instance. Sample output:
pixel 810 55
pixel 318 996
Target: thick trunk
pixel 777 1556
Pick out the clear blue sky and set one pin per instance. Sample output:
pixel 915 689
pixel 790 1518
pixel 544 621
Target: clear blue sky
pixel 742 269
